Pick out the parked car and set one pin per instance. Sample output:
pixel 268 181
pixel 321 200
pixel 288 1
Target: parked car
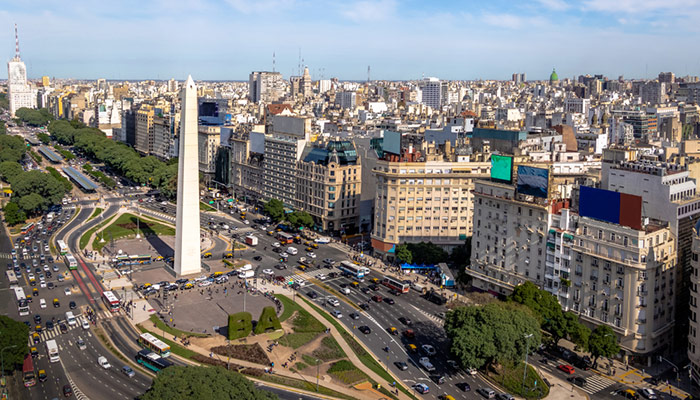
pixel 566 368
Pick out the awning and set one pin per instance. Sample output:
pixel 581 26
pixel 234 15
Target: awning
pixel 568 236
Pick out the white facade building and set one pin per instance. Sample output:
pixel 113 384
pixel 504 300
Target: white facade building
pixel 20 93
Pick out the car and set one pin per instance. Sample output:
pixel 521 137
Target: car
pixel 311 254
pixel 438 379
pixel 627 394
pixel 42 303
pixel 421 388
pixel 365 329
pixel 354 315
pixel 102 361
pixel 61 278
pixel 577 380
pixel 67 291
pixel 54 268
pixel 257 258
pixel 364 290
pixel 428 349
pixel 42 375
pixel 408 333
pixel 648 394
pixel 322 277
pixel 46 268
pixel 333 301
pixel 49 325
pixel 63 327
pixel 126 370
pixel 85 324
pixel 37 318
pixel 204 283
pixel 504 396
pixel 328 261
pixel 405 320
pixel 373 287
pixel 268 271
pixel 425 363
pixel 463 386
pixel 67 391
pixel 36 338
pixel 30 276
pixel 566 368
pixel 56 303
pixel 471 371
pixel 312 294
pixel 401 365
pixel 337 314
pixel 453 364
pixel 72 305
pixel 364 306
pixel 486 392
pixel 80 343
pixel 389 300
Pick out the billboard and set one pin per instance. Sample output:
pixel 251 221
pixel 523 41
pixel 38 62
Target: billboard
pixel 501 168
pixel 605 205
pixel 533 181
pixel 392 142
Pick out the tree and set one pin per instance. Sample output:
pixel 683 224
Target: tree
pixel 491 334
pixel 602 343
pixel 212 383
pixel 13 215
pixel 12 148
pixel 300 218
pixel 545 307
pixel 274 209
pixel 461 255
pixel 578 332
pixel 45 139
pixel 403 254
pixel 9 170
pixel 47 187
pixel 13 333
pixel 32 203
pixel 31 117
pixel 427 253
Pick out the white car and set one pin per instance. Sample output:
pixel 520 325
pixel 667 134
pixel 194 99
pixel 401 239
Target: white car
pixel 201 278
pixel 46 268
pixel 471 371
pixel 30 276
pixel 268 272
pixel 42 303
pixel 311 254
pixel 321 277
pixel 246 222
pixel 103 362
pixel 204 283
pixel 67 291
pixel 428 349
pixel 333 301
pixel 337 314
pixel 648 394
pixel 276 244
pixel 42 283
pixel 85 324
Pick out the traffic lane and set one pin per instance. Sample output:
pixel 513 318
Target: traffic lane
pixel 56 377
pixel 95 381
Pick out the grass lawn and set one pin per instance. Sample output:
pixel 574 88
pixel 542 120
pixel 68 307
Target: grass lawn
pixel 306 327
pixel 346 372
pixel 310 360
pixel 205 207
pixel 296 340
pixel 329 350
pixel 128 225
pixel 173 331
pixel 300 366
pixel 289 307
pixel 86 236
pixel 97 212
pixel 511 378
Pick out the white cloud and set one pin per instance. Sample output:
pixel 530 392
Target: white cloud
pixel 512 21
pixel 555 5
pixel 639 6
pixel 259 6
pixel 368 10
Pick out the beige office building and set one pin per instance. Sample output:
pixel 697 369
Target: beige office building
pixel 144 129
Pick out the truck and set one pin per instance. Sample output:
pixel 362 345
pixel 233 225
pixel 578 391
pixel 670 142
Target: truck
pixel 425 363
pixel 246 274
pixel 418 287
pixel 52 350
pixel 251 240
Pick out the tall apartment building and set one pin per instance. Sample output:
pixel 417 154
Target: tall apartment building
pixel 165 132
pixel 653 93
pixel 283 149
pixel 667 77
pixel 432 92
pixel 209 138
pixel 329 185
pixel 576 105
pixel 144 129
pixel 693 341
pixel 246 171
pixel 127 133
pixel 265 86
pixel 346 100
pixel 428 201
pixel 19 92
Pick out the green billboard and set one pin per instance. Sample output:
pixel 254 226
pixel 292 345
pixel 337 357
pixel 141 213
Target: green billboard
pixel 501 168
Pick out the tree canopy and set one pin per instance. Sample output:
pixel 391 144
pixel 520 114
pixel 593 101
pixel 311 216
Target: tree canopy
pixel 426 253
pixel 300 218
pixel 12 148
pixel 602 343
pixel 13 333
pixel 491 334
pixel 211 383
pixel 9 170
pixel 274 209
pixel 13 215
pixel 31 117
pixel 41 190
pixel 404 254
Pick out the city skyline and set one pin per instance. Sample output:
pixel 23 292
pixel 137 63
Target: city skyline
pixel 225 40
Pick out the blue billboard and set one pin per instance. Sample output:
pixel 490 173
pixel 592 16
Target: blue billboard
pixel 533 181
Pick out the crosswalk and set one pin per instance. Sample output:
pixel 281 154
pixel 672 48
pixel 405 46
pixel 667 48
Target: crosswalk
pixel 596 383
pixel 48 334
pixel 439 321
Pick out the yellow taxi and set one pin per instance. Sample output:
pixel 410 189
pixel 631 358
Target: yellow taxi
pixel 35 338
pixel 35 292
pixel 228 255
pixel 38 328
pixel 270 233
pixel 146 285
pixel 309 248
pixel 302 267
pixel 393 330
pixel 34 352
pixel 218 273
pixel 188 286
pixel 29 297
pixel 42 375
pixel 412 348
pixel 56 303
pixel 314 245
pixel 206 255
pixel 159 258
pixel 355 284
pixel 374 280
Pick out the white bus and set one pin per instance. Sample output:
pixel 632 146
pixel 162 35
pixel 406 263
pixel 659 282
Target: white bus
pixel 353 269
pixel 111 301
pixel 71 262
pixel 62 248
pixel 154 344
pixel 12 279
pixel 52 350
pixel 22 303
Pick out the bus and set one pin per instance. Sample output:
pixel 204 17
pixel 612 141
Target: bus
pixel 62 248
pixel 52 350
pixel 131 260
pixel 285 238
pixel 152 360
pixel 27 228
pixel 396 284
pixel 154 344
pixel 353 269
pixel 12 279
pixel 71 262
pixel 111 301
pixel 28 371
pixel 22 303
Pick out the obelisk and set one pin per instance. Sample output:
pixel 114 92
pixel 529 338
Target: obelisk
pixel 187 240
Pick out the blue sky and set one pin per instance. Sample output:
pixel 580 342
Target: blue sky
pixel 399 39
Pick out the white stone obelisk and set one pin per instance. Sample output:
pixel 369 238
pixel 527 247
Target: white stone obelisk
pixel 187 240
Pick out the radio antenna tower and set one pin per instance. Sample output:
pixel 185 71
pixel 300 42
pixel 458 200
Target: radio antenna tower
pixel 368 74
pixel 16 43
pixel 273 61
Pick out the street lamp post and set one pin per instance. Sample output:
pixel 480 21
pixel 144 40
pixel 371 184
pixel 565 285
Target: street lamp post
pixel 527 350
pixel 2 359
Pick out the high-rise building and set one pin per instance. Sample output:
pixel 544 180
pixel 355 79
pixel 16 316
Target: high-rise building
pixel 305 86
pixel 694 328
pixel 265 86
pixel 346 100
pixel 283 148
pixel 432 92
pixel 144 129
pixel 45 82
pixel 209 139
pixel 18 89
pixel 667 77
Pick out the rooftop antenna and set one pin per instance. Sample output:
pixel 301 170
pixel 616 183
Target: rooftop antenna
pixel 16 43
pixel 273 61
pixel 299 65
pixel 368 70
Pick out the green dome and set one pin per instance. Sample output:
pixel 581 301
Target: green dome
pixel 554 77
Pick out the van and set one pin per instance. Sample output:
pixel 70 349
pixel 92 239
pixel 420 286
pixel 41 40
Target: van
pixel 292 250
pixel 103 362
pixel 488 393
pixel 70 318
pixel 246 267
pixel 246 274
